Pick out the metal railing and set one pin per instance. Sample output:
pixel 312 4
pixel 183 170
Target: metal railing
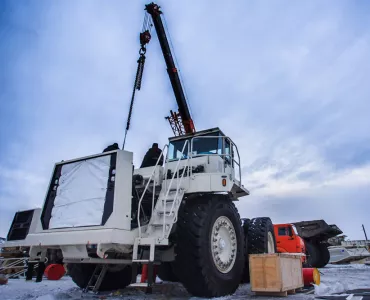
pixel 223 154
pixel 146 187
pixel 167 188
pixel 15 263
pixel 177 188
pixel 187 168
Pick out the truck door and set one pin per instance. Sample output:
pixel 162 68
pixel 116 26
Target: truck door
pixel 285 239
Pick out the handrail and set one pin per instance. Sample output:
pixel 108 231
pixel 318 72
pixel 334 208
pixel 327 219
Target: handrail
pixel 146 187
pixel 14 265
pixel 216 154
pixel 169 188
pixel 178 186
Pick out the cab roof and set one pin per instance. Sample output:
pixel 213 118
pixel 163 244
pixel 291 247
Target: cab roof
pixel 198 133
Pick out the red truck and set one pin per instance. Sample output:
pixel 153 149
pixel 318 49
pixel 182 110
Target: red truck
pixel 308 237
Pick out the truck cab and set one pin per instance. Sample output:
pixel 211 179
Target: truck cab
pixel 287 240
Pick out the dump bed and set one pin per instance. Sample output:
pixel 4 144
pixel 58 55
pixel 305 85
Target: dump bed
pixel 317 230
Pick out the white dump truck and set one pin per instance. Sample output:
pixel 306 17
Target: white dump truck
pixel 107 217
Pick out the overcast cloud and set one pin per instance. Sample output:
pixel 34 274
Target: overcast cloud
pixel 288 81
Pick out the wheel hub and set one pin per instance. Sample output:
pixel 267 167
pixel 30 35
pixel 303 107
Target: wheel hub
pixel 224 246
pixel 222 243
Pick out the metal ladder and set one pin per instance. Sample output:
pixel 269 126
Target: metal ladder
pixel 164 215
pixel 96 278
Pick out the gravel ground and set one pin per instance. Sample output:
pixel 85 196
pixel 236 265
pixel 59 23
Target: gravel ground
pixel 335 279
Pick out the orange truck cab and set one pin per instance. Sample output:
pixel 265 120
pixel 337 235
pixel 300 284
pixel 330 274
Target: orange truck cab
pixel 287 240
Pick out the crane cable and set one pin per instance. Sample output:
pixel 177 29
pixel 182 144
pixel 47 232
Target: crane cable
pixel 137 86
pixel 144 39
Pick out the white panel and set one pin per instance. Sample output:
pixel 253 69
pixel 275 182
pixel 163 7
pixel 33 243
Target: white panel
pixel 121 215
pixel 81 193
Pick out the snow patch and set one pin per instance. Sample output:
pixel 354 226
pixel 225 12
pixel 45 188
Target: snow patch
pixel 46 297
pixel 336 288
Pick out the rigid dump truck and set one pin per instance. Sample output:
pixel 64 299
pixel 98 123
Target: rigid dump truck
pixel 107 217
pixel 307 237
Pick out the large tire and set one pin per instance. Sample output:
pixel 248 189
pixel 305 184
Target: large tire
pixel 324 255
pixel 165 272
pixel 246 276
pixel 313 255
pixel 203 224
pixel 113 280
pixel 261 236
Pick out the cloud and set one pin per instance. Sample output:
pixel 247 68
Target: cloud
pixel 288 82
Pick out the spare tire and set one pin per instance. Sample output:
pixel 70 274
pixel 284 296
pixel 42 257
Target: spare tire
pixel 313 255
pixel 245 225
pixel 117 277
pixel 261 236
pixel 324 255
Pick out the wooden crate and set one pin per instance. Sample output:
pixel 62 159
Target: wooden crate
pixel 275 274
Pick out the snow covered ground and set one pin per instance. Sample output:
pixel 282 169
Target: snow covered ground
pixel 335 279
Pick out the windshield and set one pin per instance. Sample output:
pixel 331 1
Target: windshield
pixel 201 146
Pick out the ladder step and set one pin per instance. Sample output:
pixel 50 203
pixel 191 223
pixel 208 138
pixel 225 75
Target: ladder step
pixel 139 284
pixel 168 213
pixel 170 219
pixel 169 200
pixel 141 260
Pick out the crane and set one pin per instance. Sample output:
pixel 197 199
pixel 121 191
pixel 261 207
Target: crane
pixel 181 121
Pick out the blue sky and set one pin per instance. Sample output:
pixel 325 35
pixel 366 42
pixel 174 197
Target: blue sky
pixel 287 81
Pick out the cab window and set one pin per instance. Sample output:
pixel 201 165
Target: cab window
pixel 282 231
pixel 201 146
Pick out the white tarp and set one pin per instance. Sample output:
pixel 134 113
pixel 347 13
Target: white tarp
pixel 81 193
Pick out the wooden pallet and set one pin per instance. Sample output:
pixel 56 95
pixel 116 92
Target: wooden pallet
pixel 279 294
